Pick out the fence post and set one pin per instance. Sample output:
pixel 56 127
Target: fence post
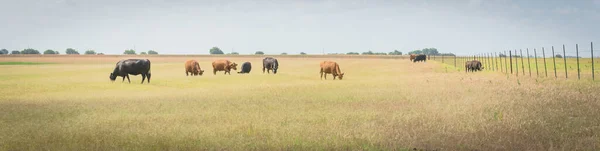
pixel 522 62
pixel 442 58
pixel 516 63
pixel 577 55
pixel 454 60
pixel 537 72
pixel 506 63
pixel 500 58
pixel 544 55
pixel 496 59
pixel 528 62
pixel 554 60
pixel 491 60
pixel 592 50
pixel 565 62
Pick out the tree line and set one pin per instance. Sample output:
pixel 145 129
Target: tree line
pixel 70 51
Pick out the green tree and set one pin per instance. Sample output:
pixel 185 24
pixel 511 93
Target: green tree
pixel 15 52
pixel 415 52
pixel 368 53
pixel 430 51
pixel 143 53
pixel 259 53
pixel 285 53
pixel 100 54
pixel 4 52
pixel 50 52
pixel 302 53
pixel 234 53
pixel 30 51
pixel 72 51
pixel 558 56
pixel 90 52
pixel 129 52
pixel 215 51
pixel 152 52
pixel 352 53
pixel 395 52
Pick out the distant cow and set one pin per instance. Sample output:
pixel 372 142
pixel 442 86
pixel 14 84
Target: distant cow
pixel 270 63
pixel 223 65
pixel 473 66
pixel 420 58
pixel 412 57
pixel 330 67
pixel 193 67
pixel 246 67
pixel 131 66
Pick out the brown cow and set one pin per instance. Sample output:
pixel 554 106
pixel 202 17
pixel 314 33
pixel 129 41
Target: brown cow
pixel 412 57
pixel 331 68
pixel 223 65
pixel 192 67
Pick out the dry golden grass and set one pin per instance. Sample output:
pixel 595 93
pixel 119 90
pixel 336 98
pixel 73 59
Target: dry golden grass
pixel 382 104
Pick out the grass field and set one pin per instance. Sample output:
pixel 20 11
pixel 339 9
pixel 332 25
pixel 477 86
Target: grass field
pixel 382 104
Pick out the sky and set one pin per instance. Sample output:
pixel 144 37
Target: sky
pixel 313 26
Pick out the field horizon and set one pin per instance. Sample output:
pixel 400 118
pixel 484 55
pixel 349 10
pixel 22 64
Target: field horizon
pixel 383 103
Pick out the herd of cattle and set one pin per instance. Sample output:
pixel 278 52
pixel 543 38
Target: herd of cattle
pixel 128 67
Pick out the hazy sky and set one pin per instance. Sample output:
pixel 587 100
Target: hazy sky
pixel 275 26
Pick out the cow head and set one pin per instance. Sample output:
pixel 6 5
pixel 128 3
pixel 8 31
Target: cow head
pixel 274 69
pixel 112 77
pixel 233 66
pixel 341 76
pixel 201 72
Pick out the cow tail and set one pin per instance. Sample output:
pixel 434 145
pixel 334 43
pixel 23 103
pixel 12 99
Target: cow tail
pixel 337 68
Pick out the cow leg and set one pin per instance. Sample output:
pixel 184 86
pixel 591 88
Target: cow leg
pixel 128 79
pixel 321 73
pixel 143 78
pixel 263 69
pixel 148 76
pixel 186 74
pixel 214 72
pixel 123 79
pixel 334 76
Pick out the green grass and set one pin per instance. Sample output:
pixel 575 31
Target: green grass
pixel 22 63
pixel 382 104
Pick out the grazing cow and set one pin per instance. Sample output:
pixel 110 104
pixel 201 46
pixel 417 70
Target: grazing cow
pixel 412 57
pixel 131 66
pixel 332 68
pixel 223 65
pixel 473 66
pixel 246 67
pixel 420 58
pixel 193 67
pixel 270 63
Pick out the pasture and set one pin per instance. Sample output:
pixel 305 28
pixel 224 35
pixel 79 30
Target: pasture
pixel 69 103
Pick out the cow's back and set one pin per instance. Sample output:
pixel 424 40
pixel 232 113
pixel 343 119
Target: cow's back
pixel 134 66
pixel 190 65
pixel 220 64
pixel 329 67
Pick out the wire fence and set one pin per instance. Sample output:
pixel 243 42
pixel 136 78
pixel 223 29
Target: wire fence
pixel 567 62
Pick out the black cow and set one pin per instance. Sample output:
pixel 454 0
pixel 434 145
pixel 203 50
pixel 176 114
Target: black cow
pixel 420 58
pixel 473 66
pixel 270 63
pixel 246 67
pixel 131 66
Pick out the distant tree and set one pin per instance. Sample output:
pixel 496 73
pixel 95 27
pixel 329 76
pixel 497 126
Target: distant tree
pixel 284 53
pixel 234 53
pixel 50 52
pixel 368 53
pixel 415 52
pixel 430 51
pixel 152 52
pixel 352 53
pixel 3 52
pixel 71 51
pixel 90 52
pixel 447 54
pixel 558 56
pixel 143 53
pixel 129 52
pixel 395 52
pixel 100 54
pixel 15 52
pixel 259 53
pixel 30 51
pixel 215 51
pixel 302 53
pixel 502 55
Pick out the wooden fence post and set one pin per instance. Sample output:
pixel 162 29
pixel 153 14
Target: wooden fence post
pixel 577 56
pixel 592 50
pixel 537 72
pixel 565 62
pixel 522 62
pixel 554 60
pixel 506 63
pixel 528 62
pixel 544 55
